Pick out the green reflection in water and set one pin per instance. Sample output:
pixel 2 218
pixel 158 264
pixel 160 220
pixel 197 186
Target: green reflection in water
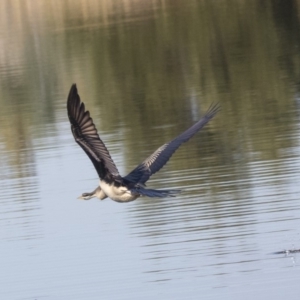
pixel 142 66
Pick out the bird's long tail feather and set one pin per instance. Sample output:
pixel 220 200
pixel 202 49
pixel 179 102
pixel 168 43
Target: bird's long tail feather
pixel 155 193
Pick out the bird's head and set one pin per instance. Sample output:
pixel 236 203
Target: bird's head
pixel 86 196
pixel 98 193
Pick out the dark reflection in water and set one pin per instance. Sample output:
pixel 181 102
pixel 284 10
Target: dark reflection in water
pixel 147 70
pixel 19 196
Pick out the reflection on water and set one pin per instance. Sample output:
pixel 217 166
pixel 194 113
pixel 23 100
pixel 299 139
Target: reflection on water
pixel 147 71
pixel 20 209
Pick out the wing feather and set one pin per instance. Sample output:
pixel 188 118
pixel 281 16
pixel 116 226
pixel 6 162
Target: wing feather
pixel 159 158
pixel 86 135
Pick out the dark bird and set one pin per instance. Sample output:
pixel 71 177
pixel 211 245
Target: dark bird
pixel 112 184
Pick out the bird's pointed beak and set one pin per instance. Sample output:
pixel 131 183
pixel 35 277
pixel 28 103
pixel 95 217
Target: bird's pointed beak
pixel 80 197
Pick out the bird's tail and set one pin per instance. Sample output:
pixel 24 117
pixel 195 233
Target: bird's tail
pixel 155 193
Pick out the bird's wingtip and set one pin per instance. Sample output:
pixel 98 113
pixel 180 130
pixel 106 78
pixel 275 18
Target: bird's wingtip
pixel 73 87
pixel 73 92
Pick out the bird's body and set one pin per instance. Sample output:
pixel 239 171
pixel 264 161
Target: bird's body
pixel 118 193
pixel 112 184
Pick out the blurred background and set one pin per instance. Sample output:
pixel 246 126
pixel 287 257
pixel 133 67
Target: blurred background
pixel 147 70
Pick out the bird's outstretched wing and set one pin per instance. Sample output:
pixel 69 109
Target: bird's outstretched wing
pixel 86 135
pixel 160 157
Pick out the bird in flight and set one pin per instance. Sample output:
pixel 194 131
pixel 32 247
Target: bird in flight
pixel 112 184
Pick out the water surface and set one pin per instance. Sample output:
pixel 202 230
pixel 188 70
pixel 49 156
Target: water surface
pixel 147 71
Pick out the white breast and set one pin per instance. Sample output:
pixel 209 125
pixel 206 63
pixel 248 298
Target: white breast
pixel 119 194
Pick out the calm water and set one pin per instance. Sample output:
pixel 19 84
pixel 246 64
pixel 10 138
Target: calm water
pixel 147 70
